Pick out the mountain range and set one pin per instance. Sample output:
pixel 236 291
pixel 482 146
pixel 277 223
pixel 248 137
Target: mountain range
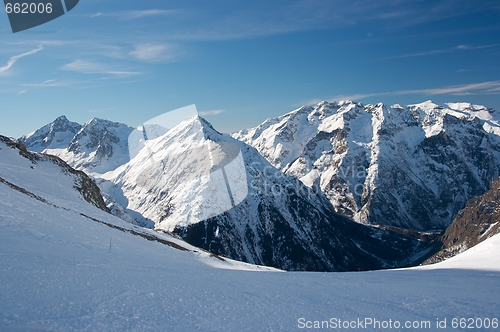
pixel 331 187
pixel 97 146
pixel 409 166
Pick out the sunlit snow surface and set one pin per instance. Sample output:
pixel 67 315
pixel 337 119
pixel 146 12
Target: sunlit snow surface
pixel 61 271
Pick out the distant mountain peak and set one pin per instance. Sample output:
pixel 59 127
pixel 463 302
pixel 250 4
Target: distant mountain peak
pixel 97 146
pixel 61 118
pixel 54 135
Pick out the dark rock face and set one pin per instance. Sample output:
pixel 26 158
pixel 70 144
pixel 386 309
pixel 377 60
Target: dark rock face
pixel 96 136
pixel 478 221
pixel 323 243
pixel 453 169
pixel 309 241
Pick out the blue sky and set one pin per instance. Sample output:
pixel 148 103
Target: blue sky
pixel 242 62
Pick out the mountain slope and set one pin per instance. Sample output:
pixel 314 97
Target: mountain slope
pixel 478 221
pixel 412 167
pixel 47 176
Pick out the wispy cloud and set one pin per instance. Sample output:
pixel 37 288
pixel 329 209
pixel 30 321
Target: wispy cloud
pixel 88 67
pixel 491 87
pixel 14 59
pixel 156 52
pixel 134 14
pixel 150 12
pixel 237 21
pixel 53 83
pixel 21 92
pixel 442 51
pixel 212 112
pixel 483 88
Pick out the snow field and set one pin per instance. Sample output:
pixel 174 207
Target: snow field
pixel 59 275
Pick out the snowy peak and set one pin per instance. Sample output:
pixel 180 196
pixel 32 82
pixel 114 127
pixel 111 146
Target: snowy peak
pixel 98 146
pixel 55 135
pixel 187 175
pixel 99 136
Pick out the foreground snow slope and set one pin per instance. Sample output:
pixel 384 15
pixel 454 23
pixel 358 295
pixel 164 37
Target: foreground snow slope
pixel 483 256
pixel 59 273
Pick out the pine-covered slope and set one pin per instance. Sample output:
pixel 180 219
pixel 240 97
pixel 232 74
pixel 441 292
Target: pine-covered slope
pixel 406 166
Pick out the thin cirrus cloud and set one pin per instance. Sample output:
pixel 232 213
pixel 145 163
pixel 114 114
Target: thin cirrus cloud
pixel 433 52
pixel 88 67
pixel 52 83
pixel 134 14
pixel 212 112
pixel 15 58
pixel 483 88
pixel 156 52
pixel 491 87
pixel 273 18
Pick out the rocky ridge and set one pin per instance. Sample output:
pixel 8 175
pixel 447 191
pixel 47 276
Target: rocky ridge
pixel 478 221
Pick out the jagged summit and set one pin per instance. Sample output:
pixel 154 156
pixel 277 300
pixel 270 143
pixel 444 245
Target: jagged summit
pixel 61 119
pixel 97 146
pixel 54 135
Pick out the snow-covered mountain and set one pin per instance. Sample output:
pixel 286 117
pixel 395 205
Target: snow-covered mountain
pixel 96 147
pixel 55 135
pixel 407 166
pixel 278 222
